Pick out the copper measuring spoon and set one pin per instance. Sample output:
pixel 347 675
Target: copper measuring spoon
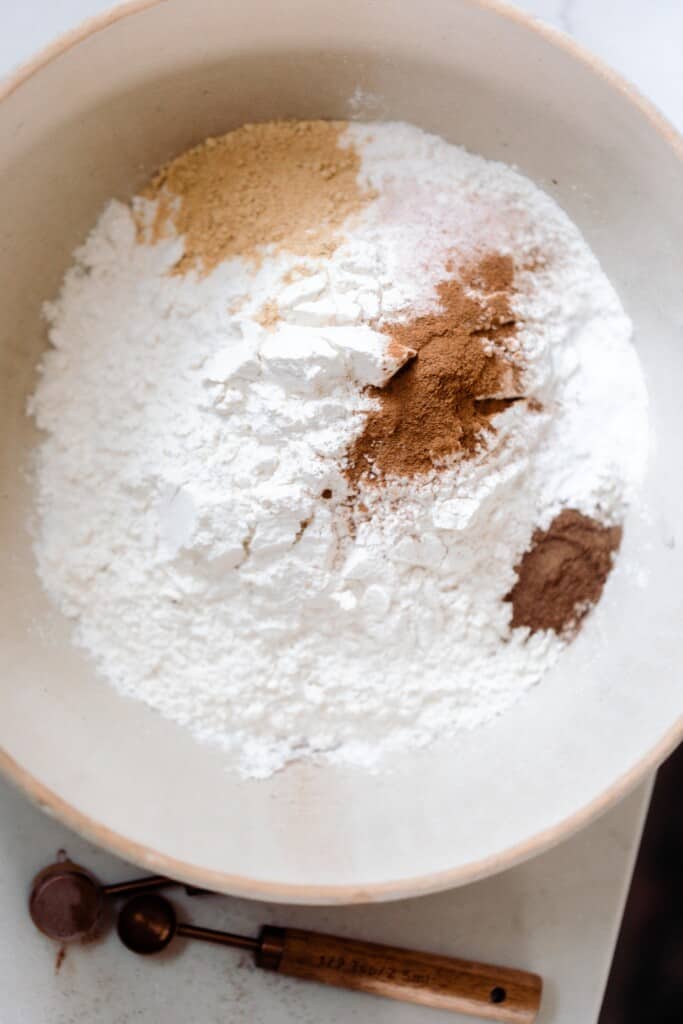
pixel 147 923
pixel 66 901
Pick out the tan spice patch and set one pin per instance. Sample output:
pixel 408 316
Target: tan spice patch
pixel 269 315
pixel 296 272
pixel 291 184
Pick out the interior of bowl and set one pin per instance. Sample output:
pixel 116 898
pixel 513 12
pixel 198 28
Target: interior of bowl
pixel 93 122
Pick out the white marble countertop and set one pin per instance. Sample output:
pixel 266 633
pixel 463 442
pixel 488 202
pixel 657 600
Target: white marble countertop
pixel 557 914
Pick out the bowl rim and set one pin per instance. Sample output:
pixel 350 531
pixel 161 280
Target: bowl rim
pixel 145 856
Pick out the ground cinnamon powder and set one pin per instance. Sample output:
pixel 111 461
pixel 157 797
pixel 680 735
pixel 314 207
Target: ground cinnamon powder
pixel 441 402
pixel 563 574
pixel 286 183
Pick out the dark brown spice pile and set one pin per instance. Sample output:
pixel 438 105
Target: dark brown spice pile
pixel 563 574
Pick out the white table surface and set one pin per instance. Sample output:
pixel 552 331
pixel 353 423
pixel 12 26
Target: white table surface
pixel 558 914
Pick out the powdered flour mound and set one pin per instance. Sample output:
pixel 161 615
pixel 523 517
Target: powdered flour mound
pixel 284 492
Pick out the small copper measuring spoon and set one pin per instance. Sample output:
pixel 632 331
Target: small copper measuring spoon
pixel 147 923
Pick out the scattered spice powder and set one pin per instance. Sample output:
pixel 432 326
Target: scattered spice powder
pixel 269 316
pixel 441 402
pixel 291 184
pixel 563 574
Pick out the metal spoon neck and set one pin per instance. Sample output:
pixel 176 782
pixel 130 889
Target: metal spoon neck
pixel 190 931
pixel 132 886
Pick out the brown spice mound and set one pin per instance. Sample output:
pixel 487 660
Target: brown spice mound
pixel 441 402
pixel 290 183
pixel 563 574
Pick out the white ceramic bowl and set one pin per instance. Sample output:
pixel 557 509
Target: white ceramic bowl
pixel 91 118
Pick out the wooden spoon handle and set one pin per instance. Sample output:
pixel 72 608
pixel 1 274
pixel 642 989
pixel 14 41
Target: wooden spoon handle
pixel 495 993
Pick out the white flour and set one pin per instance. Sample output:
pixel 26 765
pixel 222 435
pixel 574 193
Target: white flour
pixel 180 485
